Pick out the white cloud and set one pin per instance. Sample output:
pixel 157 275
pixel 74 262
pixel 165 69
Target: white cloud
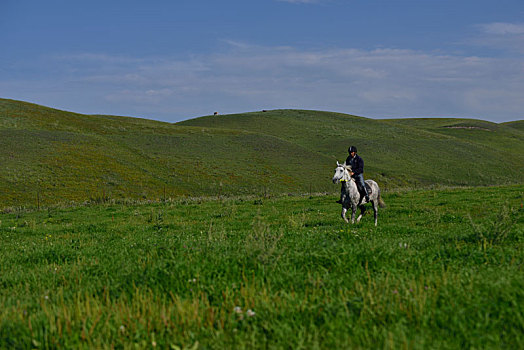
pixel 372 83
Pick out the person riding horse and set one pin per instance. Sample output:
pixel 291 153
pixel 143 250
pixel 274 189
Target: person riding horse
pixel 357 172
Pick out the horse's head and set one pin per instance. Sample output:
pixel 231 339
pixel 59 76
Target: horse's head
pixel 341 173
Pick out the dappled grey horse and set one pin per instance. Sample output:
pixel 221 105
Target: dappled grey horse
pixel 352 199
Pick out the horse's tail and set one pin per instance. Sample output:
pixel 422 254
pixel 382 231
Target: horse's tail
pixel 381 202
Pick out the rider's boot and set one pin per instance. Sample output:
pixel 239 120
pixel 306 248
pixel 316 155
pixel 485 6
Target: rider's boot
pixel 363 195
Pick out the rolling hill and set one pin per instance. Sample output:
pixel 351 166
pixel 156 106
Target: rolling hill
pixel 51 156
pixel 405 152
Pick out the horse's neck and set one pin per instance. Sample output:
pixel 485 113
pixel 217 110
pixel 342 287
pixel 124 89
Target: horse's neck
pixel 350 184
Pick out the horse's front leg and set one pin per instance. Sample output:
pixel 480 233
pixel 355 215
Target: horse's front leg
pixel 353 212
pixel 343 214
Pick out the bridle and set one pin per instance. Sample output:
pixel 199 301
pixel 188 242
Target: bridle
pixel 345 170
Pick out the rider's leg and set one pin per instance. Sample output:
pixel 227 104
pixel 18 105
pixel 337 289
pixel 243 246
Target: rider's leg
pixel 362 185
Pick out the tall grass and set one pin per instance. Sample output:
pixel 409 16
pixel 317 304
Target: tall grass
pixel 442 270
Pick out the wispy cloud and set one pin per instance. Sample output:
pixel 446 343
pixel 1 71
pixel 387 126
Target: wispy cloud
pixel 243 77
pixel 502 36
pixel 501 28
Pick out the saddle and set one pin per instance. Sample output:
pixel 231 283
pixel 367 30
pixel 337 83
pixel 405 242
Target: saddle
pixel 361 191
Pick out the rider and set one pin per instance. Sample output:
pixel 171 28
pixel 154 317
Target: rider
pixel 357 170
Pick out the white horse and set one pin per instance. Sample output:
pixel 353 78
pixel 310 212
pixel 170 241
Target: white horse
pixel 352 198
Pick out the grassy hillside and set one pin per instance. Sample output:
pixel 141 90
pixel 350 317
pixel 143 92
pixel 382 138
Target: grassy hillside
pixel 443 270
pixel 405 152
pixel 51 156
pixel 519 125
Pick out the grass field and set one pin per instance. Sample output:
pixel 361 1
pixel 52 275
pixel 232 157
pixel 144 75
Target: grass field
pixel 443 269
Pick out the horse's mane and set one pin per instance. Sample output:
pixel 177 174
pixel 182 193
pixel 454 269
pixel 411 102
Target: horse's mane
pixel 345 166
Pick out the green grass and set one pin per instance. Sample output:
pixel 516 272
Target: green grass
pixel 50 156
pixel 442 270
pixel 519 124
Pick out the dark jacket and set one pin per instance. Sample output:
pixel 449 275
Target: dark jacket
pixel 356 163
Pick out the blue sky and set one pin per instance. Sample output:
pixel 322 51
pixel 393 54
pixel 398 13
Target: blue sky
pixel 175 60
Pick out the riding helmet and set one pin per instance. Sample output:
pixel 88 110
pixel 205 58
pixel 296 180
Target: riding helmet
pixel 352 149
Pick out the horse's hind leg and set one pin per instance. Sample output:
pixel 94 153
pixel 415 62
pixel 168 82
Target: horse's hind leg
pixel 375 209
pixel 362 211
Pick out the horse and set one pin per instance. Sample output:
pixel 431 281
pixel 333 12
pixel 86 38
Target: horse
pixel 352 199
